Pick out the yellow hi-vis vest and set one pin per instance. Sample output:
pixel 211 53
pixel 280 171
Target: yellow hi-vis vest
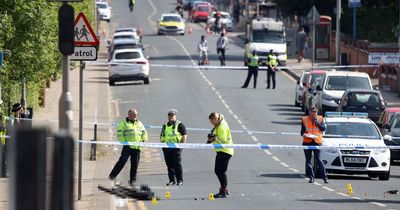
pixel 253 61
pixel 131 132
pixel 312 128
pixel 170 134
pixel 223 136
pixel 273 60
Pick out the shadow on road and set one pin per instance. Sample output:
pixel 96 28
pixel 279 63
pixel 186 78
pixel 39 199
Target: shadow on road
pixel 97 69
pixel 281 105
pixel 283 176
pixel 349 177
pixel 97 81
pixel 351 201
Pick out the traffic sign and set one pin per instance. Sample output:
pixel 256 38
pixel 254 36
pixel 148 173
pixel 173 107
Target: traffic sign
pixel 88 53
pixel 83 32
pixel 1 58
pixel 354 3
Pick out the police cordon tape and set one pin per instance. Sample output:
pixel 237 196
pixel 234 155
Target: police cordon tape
pixel 233 146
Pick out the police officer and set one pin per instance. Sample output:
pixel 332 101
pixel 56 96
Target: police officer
pixel 272 63
pixel 221 134
pixel 129 130
pixel 312 127
pixel 173 132
pixel 252 64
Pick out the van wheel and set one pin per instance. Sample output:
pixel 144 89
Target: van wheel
pixel 146 81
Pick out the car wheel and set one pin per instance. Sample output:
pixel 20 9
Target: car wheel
pixel 296 103
pixel 372 175
pixel 182 34
pixel 158 33
pixel 146 81
pixel 111 82
pixel 384 176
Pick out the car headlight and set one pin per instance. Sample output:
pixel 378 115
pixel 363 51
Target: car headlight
pixel 380 151
pixel 331 150
pixel 327 97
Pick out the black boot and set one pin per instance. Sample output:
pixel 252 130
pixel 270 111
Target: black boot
pixel 223 192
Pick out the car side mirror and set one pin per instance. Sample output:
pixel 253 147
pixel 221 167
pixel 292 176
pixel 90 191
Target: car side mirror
pixel 318 88
pixel 387 138
pixel 110 8
pixel 298 82
pixel 147 57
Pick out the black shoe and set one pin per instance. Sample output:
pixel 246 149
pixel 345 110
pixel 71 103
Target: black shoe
pixel 222 193
pixel 243 86
pixel 326 181
pixel 267 88
pixel 311 180
pixel 112 178
pixel 131 182
pixel 179 183
pixel 170 183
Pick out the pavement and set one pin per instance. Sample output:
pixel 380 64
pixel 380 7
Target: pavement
pixel 258 179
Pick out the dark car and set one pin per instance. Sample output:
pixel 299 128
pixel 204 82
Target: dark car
pixel 369 101
pixel 393 130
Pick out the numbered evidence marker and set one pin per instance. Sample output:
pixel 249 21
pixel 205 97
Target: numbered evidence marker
pixel 349 189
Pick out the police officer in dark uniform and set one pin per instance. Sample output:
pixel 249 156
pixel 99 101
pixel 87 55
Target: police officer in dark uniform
pixel 173 131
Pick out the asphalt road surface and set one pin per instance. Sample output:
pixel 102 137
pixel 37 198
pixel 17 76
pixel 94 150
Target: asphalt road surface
pixel 257 179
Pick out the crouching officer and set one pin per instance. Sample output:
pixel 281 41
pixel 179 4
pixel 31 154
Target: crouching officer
pixel 221 134
pixel 173 132
pixel 312 127
pixel 129 130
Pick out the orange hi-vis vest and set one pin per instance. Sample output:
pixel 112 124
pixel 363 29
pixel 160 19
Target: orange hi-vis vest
pixel 312 128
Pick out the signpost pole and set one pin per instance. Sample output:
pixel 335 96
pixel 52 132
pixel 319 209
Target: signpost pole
pixel 81 68
pixel 338 11
pixel 354 23
pixel 313 44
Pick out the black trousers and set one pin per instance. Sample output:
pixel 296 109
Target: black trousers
pixel 252 71
pixel 270 74
pixel 309 166
pixel 125 154
pixel 221 166
pixel 222 59
pixel 173 159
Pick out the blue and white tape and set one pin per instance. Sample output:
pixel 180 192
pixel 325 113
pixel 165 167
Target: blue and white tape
pixel 233 146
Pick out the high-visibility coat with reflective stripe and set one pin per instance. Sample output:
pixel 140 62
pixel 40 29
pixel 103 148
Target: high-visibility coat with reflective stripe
pixel 253 61
pixel 273 60
pixel 170 134
pixel 223 136
pixel 312 128
pixel 131 132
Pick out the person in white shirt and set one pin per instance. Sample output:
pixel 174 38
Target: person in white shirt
pixel 202 48
pixel 222 43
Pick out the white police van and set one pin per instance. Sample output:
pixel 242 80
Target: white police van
pixel 346 129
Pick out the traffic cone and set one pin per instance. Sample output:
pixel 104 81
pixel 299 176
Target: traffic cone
pixel 154 201
pixel 103 33
pixel 211 197
pixel 167 194
pixel 190 29
pixel 349 189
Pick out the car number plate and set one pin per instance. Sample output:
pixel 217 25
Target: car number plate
pixel 355 160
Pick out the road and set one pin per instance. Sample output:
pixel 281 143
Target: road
pixel 257 179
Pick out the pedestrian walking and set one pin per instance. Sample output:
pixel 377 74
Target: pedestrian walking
pixel 129 130
pixel 252 64
pixel 131 5
pixel 173 131
pixel 302 45
pixel 312 127
pixel 217 23
pixel 222 44
pixel 221 134
pixel 271 72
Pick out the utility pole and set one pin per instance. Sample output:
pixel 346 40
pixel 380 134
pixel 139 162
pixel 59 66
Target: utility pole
pixel 81 68
pixel 247 18
pixel 338 11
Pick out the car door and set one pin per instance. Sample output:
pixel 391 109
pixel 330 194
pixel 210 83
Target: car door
pixel 316 94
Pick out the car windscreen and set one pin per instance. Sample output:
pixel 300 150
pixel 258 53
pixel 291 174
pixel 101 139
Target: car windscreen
pixel 102 6
pixel 265 36
pixel 305 78
pixel 124 30
pixel 351 130
pixel 395 121
pixel 171 19
pixel 347 82
pixel 202 9
pixel 127 55
pixel 314 77
pixel 124 37
pixel 363 99
pixel 126 46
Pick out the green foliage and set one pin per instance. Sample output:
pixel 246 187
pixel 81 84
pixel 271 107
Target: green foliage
pixel 376 19
pixel 30 30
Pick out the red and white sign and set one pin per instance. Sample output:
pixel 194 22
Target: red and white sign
pixel 83 32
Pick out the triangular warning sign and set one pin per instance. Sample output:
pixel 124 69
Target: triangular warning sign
pixel 83 32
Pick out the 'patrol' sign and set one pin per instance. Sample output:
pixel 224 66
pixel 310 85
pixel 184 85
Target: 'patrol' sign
pixel 84 54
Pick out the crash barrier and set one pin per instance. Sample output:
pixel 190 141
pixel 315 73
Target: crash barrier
pixel 233 146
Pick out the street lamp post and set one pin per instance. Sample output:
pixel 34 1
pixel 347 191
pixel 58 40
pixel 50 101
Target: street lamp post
pixel 338 11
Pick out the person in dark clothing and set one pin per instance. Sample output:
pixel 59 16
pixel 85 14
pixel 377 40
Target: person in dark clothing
pixel 312 127
pixel 173 132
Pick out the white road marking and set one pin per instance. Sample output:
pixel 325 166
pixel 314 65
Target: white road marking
pixel 294 170
pixel 329 189
pixel 378 204
pixel 254 138
pixel 316 183
pixel 267 152
pixel 357 198
pixel 275 158
pixel 342 194
pixel 284 164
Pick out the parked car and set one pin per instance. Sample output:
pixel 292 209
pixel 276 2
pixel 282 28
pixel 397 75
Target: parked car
pixel 200 13
pixel 123 44
pixel 368 101
pixel 352 130
pixel 186 3
pixel 309 94
pixel 226 20
pixel 170 24
pixel 385 118
pixel 126 35
pixel 313 75
pixel 128 65
pixel 104 10
pixel 334 84
pixel 392 137
pixel 300 87
pixel 127 29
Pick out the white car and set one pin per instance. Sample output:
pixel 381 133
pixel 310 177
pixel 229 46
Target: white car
pixel 300 88
pixel 126 35
pixel 104 10
pixel 346 129
pixel 128 65
pixel 226 20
